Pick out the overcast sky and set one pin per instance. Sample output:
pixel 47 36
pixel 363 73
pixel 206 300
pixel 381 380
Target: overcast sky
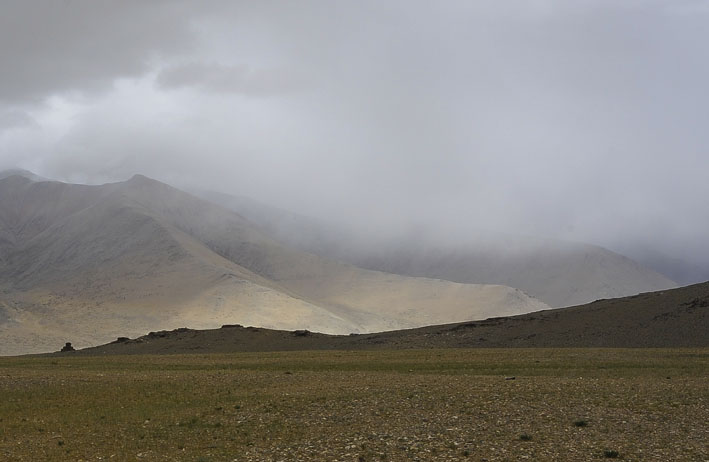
pixel 585 120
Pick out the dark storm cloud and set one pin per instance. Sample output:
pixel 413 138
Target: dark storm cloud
pixel 61 45
pixel 582 120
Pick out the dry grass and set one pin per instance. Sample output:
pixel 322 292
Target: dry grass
pixel 359 406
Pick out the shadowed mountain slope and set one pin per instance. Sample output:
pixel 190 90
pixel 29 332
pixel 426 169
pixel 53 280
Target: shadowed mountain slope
pixel 666 319
pixel 88 263
pixel 559 273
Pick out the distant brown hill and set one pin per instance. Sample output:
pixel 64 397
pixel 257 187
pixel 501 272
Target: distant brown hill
pixel 666 319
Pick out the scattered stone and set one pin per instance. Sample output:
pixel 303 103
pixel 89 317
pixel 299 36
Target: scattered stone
pixel 697 303
pixel 301 333
pixel 510 378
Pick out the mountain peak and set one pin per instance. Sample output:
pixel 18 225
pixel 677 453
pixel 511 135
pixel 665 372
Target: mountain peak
pixel 139 181
pixel 138 178
pixel 21 172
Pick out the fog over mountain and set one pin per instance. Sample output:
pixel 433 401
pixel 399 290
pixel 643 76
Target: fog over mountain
pixel 582 121
pixel 557 272
pixel 91 263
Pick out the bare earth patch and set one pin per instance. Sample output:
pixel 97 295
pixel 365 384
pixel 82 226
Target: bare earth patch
pixel 493 405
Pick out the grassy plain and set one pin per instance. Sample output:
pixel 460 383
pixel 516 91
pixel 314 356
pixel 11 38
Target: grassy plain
pixel 563 404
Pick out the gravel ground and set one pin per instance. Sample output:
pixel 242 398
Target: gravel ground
pixel 565 405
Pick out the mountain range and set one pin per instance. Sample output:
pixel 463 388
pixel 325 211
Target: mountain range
pixel 89 263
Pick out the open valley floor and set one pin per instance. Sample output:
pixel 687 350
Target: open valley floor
pixel 407 405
